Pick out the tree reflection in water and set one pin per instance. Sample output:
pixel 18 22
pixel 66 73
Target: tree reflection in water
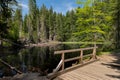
pixel 36 59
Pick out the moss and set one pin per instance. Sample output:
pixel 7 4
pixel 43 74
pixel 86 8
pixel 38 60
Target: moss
pixel 7 44
pixel 101 53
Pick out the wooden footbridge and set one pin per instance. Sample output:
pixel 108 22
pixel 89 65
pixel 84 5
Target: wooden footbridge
pixel 88 68
pixel 85 67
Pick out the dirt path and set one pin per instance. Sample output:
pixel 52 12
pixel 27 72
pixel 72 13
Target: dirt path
pixel 115 57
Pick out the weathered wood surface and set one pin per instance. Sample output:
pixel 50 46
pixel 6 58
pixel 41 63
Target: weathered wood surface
pixel 75 66
pixel 80 57
pixel 100 70
pixel 73 50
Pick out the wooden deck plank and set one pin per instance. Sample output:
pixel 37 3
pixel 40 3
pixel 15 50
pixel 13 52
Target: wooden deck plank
pixel 94 71
pixel 79 75
pixel 70 76
pixel 93 75
pixel 87 74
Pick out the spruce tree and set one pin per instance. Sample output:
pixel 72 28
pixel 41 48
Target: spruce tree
pixel 16 30
pixel 32 20
pixel 5 15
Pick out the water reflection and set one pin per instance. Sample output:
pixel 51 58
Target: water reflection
pixel 36 59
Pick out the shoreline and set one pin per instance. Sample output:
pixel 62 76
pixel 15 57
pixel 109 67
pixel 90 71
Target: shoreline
pixel 43 44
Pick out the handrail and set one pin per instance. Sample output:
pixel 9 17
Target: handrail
pixel 73 50
pixel 63 60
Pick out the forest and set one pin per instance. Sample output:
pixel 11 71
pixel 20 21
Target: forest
pixel 94 21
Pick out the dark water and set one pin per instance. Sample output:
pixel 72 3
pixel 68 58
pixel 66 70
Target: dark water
pixel 34 59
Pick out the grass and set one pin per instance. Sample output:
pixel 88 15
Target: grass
pixel 102 53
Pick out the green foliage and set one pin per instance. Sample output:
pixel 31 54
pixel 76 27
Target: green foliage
pixel 17 29
pixel 85 3
pixel 32 19
pixel 94 21
pixel 116 13
pixel 5 15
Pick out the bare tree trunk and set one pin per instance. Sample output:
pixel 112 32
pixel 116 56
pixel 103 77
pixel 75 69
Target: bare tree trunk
pixel 20 30
pixel 0 42
pixel 38 30
pixel 43 29
pixel 29 29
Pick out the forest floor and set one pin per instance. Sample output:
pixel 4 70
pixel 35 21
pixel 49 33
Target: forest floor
pixel 26 76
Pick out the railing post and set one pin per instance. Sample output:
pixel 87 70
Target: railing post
pixel 81 56
pixel 94 52
pixel 63 61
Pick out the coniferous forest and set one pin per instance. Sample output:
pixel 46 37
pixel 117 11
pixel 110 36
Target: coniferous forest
pixel 97 21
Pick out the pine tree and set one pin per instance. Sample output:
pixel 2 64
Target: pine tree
pixel 51 24
pixel 38 25
pixel 16 31
pixel 43 21
pixel 32 20
pixel 25 27
pixel 59 28
pixel 117 23
pixel 5 15
pixel 70 25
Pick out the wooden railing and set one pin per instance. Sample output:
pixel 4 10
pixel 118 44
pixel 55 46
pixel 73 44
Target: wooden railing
pixel 63 60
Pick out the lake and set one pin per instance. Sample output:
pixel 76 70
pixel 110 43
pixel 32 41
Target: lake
pixel 34 59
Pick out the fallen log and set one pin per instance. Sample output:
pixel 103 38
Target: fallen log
pixel 11 67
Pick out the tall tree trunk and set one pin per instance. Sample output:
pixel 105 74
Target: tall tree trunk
pixel 20 30
pixel 38 30
pixel 43 29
